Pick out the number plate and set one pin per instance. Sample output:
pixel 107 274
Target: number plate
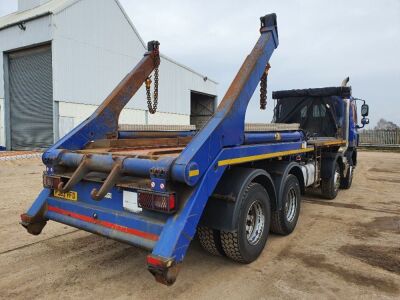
pixel 130 201
pixel 71 195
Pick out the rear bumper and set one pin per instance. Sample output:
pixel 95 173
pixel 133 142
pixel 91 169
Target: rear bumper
pixel 132 228
pixel 108 218
pixel 123 227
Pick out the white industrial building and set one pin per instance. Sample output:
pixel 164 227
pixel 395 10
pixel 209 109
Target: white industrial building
pixel 61 58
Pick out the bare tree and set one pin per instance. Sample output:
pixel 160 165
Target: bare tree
pixel 386 125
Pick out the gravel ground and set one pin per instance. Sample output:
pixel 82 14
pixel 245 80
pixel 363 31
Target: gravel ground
pixel 345 248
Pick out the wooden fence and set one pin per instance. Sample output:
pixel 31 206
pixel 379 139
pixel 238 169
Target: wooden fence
pixel 374 137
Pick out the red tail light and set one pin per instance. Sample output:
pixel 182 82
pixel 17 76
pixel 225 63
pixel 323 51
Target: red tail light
pixel 151 260
pixel 171 201
pixel 159 202
pixel 51 182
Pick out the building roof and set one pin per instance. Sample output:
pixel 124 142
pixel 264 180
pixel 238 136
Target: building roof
pixel 56 6
pixel 51 7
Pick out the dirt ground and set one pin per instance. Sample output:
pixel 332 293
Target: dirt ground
pixel 345 248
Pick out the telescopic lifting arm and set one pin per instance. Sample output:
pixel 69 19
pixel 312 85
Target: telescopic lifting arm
pixel 226 127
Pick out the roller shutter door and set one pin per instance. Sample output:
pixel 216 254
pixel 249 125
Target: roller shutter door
pixel 31 98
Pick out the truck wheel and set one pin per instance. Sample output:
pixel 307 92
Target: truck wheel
pixel 345 182
pixel 284 221
pixel 210 240
pixel 330 186
pixel 247 242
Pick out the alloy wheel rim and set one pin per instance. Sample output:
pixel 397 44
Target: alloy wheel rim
pixel 336 180
pixel 255 220
pixel 291 205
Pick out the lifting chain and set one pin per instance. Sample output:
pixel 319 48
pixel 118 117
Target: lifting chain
pixel 152 106
pixel 263 88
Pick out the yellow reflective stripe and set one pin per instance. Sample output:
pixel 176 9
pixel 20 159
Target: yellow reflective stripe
pixel 332 143
pixel 244 159
pixel 194 173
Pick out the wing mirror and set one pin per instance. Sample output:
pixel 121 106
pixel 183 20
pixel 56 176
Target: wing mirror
pixel 364 111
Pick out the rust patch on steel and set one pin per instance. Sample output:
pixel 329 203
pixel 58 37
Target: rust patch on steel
pixel 139 143
pixel 110 181
pixel 154 134
pixel 242 76
pixel 112 106
pixel 79 173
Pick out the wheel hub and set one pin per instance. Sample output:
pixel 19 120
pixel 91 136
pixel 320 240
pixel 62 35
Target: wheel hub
pixel 337 180
pixel 291 205
pixel 255 223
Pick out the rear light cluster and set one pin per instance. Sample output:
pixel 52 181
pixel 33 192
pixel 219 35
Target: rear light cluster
pixel 160 202
pixel 51 182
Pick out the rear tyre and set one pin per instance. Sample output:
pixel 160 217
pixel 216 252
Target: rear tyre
pixel 284 221
pixel 247 241
pixel 210 240
pixel 330 186
pixel 346 182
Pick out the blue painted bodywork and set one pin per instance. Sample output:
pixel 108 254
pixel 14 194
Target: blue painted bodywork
pixel 353 134
pixel 193 175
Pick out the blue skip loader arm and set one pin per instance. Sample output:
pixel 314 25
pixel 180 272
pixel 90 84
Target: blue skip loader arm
pixel 198 164
pixel 226 127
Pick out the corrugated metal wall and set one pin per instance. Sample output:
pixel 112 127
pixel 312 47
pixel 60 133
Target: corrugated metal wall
pixel 72 114
pixel 94 47
pixel 38 31
pixel 175 86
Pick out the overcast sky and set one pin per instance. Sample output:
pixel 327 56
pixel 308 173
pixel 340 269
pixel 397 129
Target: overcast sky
pixel 321 42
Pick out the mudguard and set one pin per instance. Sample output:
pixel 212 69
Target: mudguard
pixel 328 164
pixel 222 209
pixel 279 170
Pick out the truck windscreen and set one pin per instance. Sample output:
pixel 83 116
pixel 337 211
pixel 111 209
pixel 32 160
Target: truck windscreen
pixel 317 116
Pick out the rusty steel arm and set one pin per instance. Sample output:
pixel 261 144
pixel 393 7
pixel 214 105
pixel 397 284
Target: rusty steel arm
pixel 125 90
pixel 226 127
pixel 103 122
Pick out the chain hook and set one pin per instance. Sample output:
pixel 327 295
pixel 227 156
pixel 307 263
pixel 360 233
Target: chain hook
pixel 152 105
pixel 263 88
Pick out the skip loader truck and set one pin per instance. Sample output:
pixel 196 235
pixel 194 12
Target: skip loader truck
pixel 230 182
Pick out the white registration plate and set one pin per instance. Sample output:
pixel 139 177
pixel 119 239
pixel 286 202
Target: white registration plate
pixel 130 201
